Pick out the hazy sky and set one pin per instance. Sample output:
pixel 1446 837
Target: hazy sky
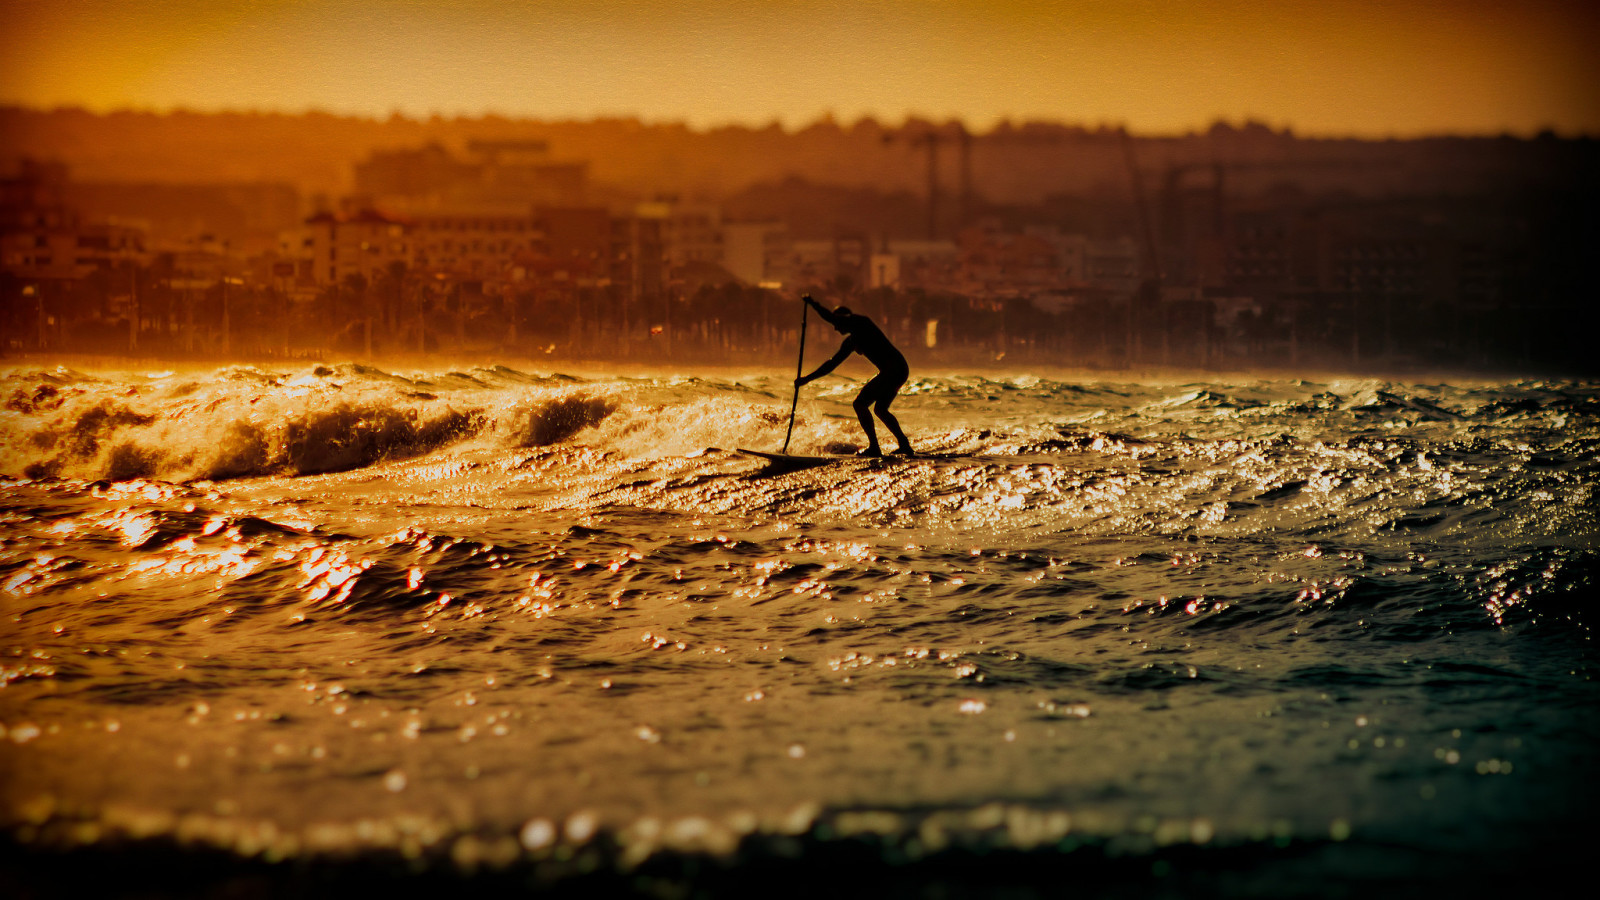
pixel 1326 67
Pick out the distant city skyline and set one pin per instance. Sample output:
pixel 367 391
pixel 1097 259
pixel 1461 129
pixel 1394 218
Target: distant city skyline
pixel 1358 68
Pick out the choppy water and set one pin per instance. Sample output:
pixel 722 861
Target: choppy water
pixel 1239 635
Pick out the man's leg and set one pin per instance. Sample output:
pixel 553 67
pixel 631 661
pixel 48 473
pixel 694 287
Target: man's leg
pixel 863 407
pixel 884 389
pixel 894 427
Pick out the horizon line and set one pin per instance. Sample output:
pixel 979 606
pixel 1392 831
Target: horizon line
pixel 827 117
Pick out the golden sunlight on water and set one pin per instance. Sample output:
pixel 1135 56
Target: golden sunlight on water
pixel 1040 639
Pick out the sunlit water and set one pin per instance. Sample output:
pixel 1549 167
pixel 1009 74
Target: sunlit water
pixel 493 621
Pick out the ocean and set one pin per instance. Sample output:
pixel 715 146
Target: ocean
pixel 309 629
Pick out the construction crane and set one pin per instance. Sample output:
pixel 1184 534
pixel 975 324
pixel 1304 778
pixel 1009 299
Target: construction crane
pixel 1150 249
pixel 930 140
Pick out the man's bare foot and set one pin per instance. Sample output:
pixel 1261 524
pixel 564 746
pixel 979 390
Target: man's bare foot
pixel 903 450
pixel 870 451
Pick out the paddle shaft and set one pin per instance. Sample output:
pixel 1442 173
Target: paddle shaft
pixel 799 370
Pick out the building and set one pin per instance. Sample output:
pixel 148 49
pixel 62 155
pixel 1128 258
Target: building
pixel 842 260
pixel 68 251
pixel 364 243
pixel 497 176
pixel 1112 265
pixel 996 262
pixel 44 238
pixel 411 174
pixel 522 172
pixel 474 246
pixel 813 263
pixel 1071 253
pixel 638 257
pixel 690 232
pixel 579 243
pixel 926 264
pixel 757 253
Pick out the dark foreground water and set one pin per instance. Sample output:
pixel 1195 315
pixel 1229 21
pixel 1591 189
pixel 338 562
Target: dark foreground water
pixel 316 631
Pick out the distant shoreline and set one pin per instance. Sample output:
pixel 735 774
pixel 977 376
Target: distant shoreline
pixel 751 363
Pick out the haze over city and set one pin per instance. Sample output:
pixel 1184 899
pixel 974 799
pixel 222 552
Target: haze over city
pixel 1323 67
pixel 1108 184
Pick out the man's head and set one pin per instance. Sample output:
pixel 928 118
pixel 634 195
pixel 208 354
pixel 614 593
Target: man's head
pixel 843 317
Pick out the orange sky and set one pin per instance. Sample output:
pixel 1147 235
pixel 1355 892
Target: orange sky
pixel 1325 67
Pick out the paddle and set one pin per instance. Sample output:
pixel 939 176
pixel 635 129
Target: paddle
pixel 799 369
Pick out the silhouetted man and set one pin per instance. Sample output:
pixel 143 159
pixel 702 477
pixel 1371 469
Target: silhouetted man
pixel 863 336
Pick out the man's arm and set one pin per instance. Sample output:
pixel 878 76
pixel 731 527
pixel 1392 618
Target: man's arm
pixel 826 313
pixel 845 349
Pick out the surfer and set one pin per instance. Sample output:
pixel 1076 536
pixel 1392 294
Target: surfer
pixel 864 337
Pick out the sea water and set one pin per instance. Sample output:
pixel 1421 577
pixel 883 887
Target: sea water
pixel 1243 635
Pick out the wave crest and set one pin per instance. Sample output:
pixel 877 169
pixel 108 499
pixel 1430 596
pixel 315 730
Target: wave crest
pixel 558 419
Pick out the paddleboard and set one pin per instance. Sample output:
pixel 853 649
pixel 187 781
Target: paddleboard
pixel 800 462
pixel 792 460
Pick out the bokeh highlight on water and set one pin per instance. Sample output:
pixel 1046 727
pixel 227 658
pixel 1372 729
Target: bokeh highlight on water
pixel 488 620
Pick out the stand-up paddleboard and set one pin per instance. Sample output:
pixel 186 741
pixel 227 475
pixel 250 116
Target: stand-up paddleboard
pixel 793 461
